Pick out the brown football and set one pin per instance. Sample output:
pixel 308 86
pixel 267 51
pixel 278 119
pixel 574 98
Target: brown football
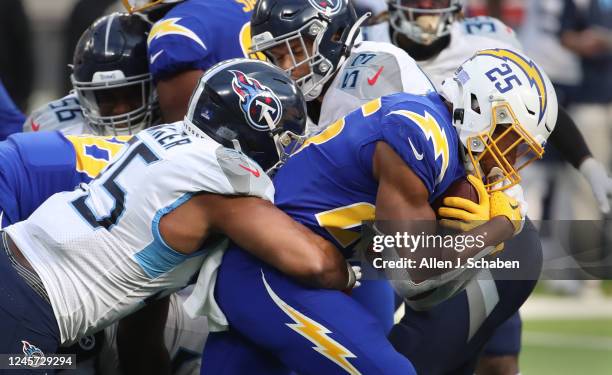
pixel 460 188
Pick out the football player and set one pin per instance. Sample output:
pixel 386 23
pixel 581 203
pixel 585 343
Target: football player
pixel 113 88
pixel 89 257
pixel 320 48
pixel 188 38
pixel 439 38
pixel 388 160
pixel 109 64
pixel 436 34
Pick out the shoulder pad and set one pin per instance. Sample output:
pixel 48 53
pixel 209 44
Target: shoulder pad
pixel 490 27
pixel 63 115
pixel 244 175
pixel 375 69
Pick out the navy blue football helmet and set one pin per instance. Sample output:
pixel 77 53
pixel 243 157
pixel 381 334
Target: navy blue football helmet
pixel 249 105
pixel 110 75
pixel 331 26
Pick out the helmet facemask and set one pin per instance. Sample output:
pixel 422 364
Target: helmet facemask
pixel 420 24
pixel 303 46
pixel 499 154
pixel 114 105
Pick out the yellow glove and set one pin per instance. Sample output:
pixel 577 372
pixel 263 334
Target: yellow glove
pixel 462 214
pixel 503 205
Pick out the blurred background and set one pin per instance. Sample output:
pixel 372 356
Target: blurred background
pixel 566 322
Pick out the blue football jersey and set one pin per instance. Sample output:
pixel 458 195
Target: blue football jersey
pixel 328 184
pixel 11 118
pixel 34 166
pixel 197 34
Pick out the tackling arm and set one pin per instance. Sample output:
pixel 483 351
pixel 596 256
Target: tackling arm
pixel 259 227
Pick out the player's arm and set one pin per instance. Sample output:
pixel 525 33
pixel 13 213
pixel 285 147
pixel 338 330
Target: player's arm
pixel 260 228
pixel 140 340
pixel 570 143
pixel 174 94
pixel 402 206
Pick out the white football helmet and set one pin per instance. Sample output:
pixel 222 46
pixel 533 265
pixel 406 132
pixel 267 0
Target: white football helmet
pixel 504 106
pixel 424 22
pixel 140 5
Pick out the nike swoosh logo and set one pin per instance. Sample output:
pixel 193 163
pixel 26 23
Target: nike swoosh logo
pixel 372 81
pixel 155 56
pixel 253 172
pixel 417 155
pixel 35 126
pixel 513 206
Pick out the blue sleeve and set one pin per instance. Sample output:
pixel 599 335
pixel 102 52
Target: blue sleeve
pixel 410 143
pixel 177 44
pixel 11 118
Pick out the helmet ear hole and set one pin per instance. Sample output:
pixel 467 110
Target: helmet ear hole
pixel 474 104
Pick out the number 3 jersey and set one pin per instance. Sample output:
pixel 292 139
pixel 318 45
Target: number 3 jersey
pixel 98 249
pixel 328 184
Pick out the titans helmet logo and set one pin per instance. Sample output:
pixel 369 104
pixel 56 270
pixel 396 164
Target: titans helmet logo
pixel 329 7
pixel 260 105
pixel 30 350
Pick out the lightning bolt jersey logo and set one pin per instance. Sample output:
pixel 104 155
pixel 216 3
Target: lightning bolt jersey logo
pixel 536 79
pixel 434 133
pixel 170 26
pixel 315 333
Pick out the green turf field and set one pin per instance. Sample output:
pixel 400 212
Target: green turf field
pixel 572 347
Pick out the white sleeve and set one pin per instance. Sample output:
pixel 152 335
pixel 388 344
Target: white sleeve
pixel 373 69
pixel 230 172
pixel 491 28
pixel 203 165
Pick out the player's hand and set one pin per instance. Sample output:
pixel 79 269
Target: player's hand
pixel 462 214
pixel 503 203
pixel 601 183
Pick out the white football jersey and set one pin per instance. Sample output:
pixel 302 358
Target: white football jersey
pixel 63 115
pixel 468 37
pixel 372 70
pixel 98 249
pixel 184 338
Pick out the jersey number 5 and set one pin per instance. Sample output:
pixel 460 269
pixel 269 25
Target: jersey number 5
pixel 113 188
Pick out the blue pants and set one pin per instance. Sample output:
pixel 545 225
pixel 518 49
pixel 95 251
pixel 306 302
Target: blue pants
pixel 506 339
pixel 310 331
pixel 449 338
pixel 378 297
pixel 26 320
